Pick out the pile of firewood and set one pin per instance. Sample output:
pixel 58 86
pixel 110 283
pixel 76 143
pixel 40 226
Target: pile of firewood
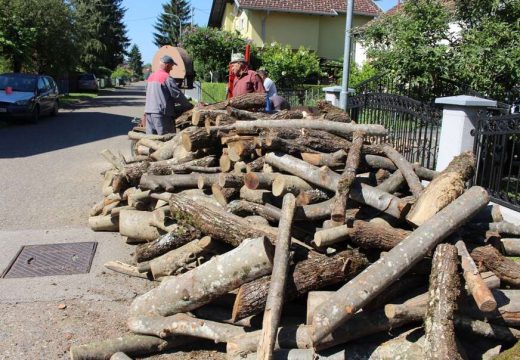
pixel 369 262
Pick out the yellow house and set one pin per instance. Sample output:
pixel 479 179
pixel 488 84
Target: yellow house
pixel 316 24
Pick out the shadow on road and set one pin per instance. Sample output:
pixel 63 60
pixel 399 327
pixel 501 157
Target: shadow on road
pixel 65 130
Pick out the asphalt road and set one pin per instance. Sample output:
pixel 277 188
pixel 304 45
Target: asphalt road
pixel 50 178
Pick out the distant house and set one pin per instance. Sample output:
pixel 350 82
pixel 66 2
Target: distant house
pixel 317 25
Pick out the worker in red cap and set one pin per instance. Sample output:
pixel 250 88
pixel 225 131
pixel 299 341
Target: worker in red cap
pixel 163 96
pixel 246 81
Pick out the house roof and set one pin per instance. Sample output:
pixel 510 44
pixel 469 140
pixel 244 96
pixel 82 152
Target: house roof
pixel 323 7
pixel 448 3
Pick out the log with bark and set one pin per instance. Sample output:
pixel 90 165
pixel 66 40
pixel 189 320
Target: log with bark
pixel 506 269
pixel 314 273
pixel 443 293
pixel 136 225
pixel 381 274
pixel 406 169
pixel 197 287
pixel 332 112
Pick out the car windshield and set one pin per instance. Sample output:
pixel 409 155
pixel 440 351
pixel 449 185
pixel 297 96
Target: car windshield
pixel 18 83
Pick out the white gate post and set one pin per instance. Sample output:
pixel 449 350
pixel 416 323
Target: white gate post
pixel 458 119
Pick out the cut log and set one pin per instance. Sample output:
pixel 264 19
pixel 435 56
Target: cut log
pixel 224 195
pixel 393 183
pixel 136 225
pixel 333 113
pixel 133 172
pixel 463 164
pixel 103 223
pixel 328 179
pixel 244 114
pixel 194 138
pixel 182 324
pixel 173 260
pixel 489 214
pixel 225 162
pixel 311 274
pixel 362 234
pixel 245 208
pixel 511 246
pixel 120 356
pixel 342 129
pixel 116 162
pixel 204 181
pixel 241 150
pixel 180 235
pixel 381 274
pixel 133 345
pixel 252 102
pixel 313 196
pixel 443 293
pixel 170 182
pixel 134 135
pixel 149 143
pixel 275 296
pixel 284 184
pixel 346 180
pixel 476 286
pixel 506 269
pixel 124 268
pixel 198 115
pixel 256 196
pixel 258 180
pixel 331 160
pixel 188 291
pixel 169 167
pixel 379 162
pixel 255 165
pixel 230 180
pixel 484 329
pixel 440 192
pixel 503 228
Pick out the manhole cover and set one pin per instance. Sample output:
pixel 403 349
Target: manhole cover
pixel 52 259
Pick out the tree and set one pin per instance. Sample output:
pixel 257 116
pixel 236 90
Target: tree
pixel 211 50
pixel 175 15
pixel 473 42
pixel 135 61
pixel 287 67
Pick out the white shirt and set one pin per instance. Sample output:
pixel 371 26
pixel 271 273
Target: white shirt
pixel 270 87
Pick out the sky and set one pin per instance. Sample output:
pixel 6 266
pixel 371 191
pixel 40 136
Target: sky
pixel 141 15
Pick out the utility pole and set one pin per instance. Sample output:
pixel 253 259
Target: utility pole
pixel 343 96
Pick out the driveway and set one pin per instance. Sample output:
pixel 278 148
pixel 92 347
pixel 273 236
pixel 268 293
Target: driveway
pixel 51 176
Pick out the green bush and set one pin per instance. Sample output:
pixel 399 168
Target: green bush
pixel 213 92
pixel 287 67
pixel 122 73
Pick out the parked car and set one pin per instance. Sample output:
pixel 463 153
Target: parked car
pixel 28 96
pixel 87 82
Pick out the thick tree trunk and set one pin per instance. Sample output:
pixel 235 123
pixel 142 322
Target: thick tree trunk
pixel 188 291
pixel 328 179
pixel 215 222
pixel 182 324
pixel 506 269
pixel 133 345
pixel 179 236
pixel 346 179
pixel 362 234
pixel 252 102
pixel 443 292
pixel 476 286
pixel 342 129
pixel 381 274
pixel 275 296
pixel 311 274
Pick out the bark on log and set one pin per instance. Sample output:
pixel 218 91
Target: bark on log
pixel 503 228
pixel 443 293
pixel 393 183
pixel 333 113
pixel 244 114
pixel 169 148
pixel 179 236
pixel 199 115
pixel 169 263
pixel 506 269
pixel 331 160
pixel 511 246
pixel 342 129
pixel 463 164
pixel 476 286
pixel 133 172
pixel 170 182
pixel 311 274
pixel 256 196
pixel 379 162
pixel 482 328
pixel 346 180
pixel 124 268
pixel 225 162
pixel 204 181
pixel 134 135
pixel 169 167
pixel 230 180
pixel 183 324
pixel 245 208
pixel 406 169
pixel 149 143
pixel 116 162
pixel 328 179
pixel 252 102
pixel 362 234
pixel 215 222
pixel 249 261
pixel 133 345
pixel 194 138
pixel 381 274
pixel 241 150
pixel 275 296
pixel 255 165
pixel 136 225
pixel 120 356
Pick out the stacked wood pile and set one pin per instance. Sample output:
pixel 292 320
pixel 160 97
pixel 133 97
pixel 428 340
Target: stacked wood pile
pixel 289 236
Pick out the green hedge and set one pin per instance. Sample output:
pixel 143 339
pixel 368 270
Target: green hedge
pixel 213 92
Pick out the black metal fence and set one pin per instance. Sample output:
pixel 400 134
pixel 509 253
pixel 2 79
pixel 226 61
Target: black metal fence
pixel 497 148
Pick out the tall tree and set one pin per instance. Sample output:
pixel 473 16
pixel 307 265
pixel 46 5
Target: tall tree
pixel 135 61
pixel 175 16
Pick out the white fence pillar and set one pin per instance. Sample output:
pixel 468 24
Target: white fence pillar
pixel 458 119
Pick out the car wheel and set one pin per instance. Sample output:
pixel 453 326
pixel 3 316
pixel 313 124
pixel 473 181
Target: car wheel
pixel 35 116
pixel 55 108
